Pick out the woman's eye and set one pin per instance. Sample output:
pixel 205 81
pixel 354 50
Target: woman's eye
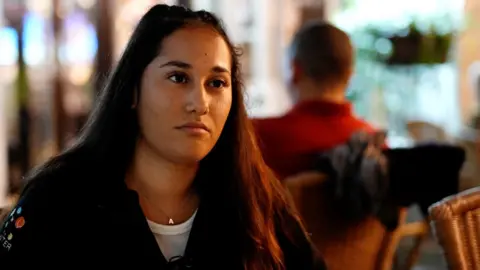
pixel 178 78
pixel 217 83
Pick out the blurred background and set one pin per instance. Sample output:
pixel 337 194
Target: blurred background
pixel 418 64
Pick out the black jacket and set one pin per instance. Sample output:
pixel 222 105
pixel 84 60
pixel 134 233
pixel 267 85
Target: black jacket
pixel 75 217
pixel 424 174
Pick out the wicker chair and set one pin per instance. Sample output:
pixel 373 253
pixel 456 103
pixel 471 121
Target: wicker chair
pixel 456 222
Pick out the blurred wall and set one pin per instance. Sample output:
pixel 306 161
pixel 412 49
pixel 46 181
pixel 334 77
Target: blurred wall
pixel 3 148
pixel 469 49
pixel 3 137
pixel 267 53
pixel 260 26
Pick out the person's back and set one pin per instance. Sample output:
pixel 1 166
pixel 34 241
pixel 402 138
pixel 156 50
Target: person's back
pixel 322 61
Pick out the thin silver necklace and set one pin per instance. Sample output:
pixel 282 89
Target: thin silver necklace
pixel 169 218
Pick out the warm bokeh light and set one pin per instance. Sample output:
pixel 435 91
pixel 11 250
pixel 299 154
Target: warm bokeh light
pixel 79 74
pixel 86 4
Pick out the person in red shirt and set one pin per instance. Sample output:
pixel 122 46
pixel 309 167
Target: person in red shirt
pixel 322 62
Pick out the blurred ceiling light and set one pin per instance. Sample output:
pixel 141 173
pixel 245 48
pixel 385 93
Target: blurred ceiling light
pixel 43 8
pixel 79 74
pixel 80 43
pixel 65 8
pixel 8 46
pixel 35 39
pixel 86 4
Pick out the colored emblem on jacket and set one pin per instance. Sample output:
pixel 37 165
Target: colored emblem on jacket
pixel 19 222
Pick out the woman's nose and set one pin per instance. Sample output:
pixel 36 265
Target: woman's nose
pixel 197 100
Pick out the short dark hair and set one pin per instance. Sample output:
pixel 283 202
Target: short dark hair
pixel 324 52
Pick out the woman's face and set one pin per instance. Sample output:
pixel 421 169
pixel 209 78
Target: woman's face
pixel 186 95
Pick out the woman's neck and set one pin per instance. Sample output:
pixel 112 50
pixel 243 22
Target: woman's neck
pixel 310 90
pixel 164 188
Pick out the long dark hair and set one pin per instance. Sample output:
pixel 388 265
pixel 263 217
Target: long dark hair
pixel 233 172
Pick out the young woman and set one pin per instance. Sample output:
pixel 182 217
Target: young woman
pixel 166 172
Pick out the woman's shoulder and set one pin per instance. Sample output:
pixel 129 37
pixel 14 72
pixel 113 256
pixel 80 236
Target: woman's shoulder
pixel 55 178
pixel 53 184
pixel 45 200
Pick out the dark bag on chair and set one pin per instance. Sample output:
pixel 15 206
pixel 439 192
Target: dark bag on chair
pixel 358 181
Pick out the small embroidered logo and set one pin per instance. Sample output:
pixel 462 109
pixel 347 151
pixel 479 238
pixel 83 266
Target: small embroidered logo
pixel 9 237
pixel 20 222
pixel 19 210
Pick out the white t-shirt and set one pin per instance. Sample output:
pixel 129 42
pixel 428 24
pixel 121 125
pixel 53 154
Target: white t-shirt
pixel 172 239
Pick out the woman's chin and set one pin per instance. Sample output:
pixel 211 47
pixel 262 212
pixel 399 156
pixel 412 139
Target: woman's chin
pixel 191 155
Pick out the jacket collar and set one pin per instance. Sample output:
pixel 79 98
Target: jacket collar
pixel 207 237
